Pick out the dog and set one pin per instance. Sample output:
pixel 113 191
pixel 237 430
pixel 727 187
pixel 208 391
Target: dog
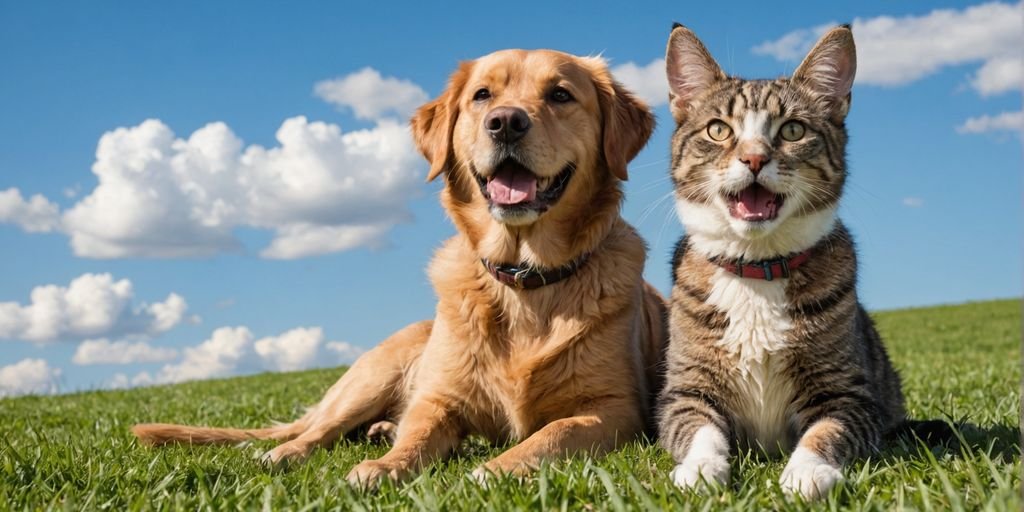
pixel 545 332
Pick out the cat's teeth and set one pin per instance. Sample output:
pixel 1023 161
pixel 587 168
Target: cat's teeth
pixel 542 184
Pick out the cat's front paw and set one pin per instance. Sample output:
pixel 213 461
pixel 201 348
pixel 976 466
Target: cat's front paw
pixel 809 475
pixel 692 473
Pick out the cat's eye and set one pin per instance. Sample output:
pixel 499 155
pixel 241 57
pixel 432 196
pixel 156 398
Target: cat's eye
pixel 792 131
pixel 482 94
pixel 718 130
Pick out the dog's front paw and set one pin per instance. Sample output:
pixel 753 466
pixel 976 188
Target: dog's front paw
pixel 690 474
pixel 285 455
pixel 369 474
pixel 809 475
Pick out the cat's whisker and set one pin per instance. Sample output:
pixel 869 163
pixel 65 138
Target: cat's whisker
pixel 653 206
pixel 648 164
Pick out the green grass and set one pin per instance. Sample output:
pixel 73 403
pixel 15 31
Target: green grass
pixel 75 452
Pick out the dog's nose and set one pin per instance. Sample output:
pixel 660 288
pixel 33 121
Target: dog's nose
pixel 507 124
pixel 755 161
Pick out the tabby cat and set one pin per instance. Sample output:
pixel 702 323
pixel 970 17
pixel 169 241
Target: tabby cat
pixel 769 347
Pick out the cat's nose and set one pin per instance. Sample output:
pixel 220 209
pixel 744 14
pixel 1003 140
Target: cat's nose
pixel 755 162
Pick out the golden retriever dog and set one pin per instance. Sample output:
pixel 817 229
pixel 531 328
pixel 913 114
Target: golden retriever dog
pixel 545 331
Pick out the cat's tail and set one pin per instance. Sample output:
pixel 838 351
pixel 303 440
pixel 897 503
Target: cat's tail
pixel 932 432
pixel 158 434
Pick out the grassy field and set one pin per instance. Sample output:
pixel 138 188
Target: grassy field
pixel 74 451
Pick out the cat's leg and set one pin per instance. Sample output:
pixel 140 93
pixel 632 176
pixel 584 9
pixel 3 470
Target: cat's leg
pixel 697 434
pixel 817 463
pixel 840 417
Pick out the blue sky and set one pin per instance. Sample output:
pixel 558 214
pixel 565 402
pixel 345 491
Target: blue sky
pixel 294 269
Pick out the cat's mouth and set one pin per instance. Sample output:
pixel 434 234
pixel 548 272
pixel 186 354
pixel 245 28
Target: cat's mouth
pixel 754 204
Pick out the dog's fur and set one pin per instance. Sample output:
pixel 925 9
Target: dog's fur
pixel 568 367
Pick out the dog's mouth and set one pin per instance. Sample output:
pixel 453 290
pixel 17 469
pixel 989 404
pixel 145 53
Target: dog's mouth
pixel 755 204
pixel 514 186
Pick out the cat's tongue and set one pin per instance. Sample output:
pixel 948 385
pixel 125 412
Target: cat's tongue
pixel 756 203
pixel 512 184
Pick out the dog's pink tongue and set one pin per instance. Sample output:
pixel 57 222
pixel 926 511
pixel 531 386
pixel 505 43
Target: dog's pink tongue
pixel 512 186
pixel 756 202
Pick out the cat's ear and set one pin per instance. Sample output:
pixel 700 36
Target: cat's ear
pixel 690 69
pixel 830 67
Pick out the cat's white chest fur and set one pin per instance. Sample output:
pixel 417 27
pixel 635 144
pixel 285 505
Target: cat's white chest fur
pixel 758 328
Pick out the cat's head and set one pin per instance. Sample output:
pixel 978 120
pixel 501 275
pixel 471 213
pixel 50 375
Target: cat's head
pixel 759 165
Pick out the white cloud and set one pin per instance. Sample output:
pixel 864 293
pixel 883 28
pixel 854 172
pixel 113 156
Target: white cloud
pixel 293 350
pixel 91 305
pixel 302 240
pixel 169 313
pixel 794 45
pixel 319 190
pixel 29 376
pixel 232 351
pixel 913 202
pixel 371 96
pixel 1006 121
pixel 122 381
pixel 227 350
pixel 999 75
pixel 36 215
pixel 103 351
pixel 900 50
pixel 118 381
pixel 142 379
pixel 649 82
pixel 346 353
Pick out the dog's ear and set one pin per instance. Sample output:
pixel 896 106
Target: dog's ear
pixel 434 123
pixel 628 122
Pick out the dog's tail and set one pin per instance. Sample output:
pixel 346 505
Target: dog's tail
pixel 158 434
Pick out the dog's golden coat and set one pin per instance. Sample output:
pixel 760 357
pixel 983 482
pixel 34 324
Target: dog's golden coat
pixel 564 368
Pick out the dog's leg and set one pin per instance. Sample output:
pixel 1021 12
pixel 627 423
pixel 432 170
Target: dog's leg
pixel 375 384
pixel 598 429
pixel 428 430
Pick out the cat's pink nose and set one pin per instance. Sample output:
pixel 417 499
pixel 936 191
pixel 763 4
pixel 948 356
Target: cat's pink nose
pixel 755 161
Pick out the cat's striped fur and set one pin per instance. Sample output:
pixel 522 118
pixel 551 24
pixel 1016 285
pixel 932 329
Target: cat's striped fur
pixel 791 362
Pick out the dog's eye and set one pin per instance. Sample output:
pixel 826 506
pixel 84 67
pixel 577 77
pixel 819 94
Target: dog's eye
pixel 718 130
pixel 792 131
pixel 482 94
pixel 560 95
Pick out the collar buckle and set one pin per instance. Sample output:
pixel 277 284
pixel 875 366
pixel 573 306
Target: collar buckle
pixel 525 277
pixel 519 278
pixel 768 270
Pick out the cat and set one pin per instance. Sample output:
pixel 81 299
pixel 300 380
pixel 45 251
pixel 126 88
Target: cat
pixel 770 347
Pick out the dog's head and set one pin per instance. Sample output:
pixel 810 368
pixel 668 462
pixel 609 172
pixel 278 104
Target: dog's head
pixel 525 136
